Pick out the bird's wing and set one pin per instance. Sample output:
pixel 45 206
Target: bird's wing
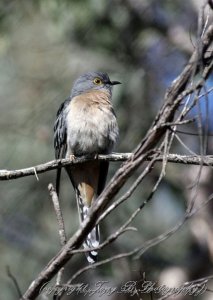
pixel 60 137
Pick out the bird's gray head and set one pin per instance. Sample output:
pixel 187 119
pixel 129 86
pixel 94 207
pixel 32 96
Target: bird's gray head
pixel 92 81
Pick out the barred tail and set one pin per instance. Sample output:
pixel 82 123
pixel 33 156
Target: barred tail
pixel 92 241
pixel 88 180
pixel 93 238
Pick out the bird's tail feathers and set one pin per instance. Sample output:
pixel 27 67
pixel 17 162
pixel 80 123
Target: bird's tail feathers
pixel 58 179
pixel 93 238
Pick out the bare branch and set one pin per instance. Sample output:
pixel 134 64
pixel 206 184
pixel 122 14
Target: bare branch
pixel 54 164
pixel 58 213
pixel 61 227
pixel 14 280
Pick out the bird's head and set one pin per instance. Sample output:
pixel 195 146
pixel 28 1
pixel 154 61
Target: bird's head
pixel 93 81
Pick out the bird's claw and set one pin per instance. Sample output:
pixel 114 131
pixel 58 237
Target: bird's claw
pixel 72 157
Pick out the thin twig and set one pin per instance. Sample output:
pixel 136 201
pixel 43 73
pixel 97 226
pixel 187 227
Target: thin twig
pixel 186 147
pixel 15 282
pixel 58 212
pixel 61 227
pixel 110 238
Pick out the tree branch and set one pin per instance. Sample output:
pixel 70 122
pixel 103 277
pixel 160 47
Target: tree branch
pixel 61 227
pixel 54 164
pixel 115 157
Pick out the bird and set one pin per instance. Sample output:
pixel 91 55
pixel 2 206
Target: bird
pixel 86 124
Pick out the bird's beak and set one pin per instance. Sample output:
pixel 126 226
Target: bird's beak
pixel 115 82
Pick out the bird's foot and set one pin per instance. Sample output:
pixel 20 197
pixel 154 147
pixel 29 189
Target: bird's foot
pixel 72 157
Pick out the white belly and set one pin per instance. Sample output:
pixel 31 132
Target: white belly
pixel 90 130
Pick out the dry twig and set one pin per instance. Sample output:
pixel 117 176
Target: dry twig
pixel 54 164
pixel 61 227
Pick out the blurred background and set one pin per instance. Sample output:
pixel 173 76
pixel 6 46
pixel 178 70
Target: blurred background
pixel 44 47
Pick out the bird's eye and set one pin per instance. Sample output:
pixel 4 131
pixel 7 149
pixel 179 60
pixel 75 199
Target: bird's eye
pixel 97 81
